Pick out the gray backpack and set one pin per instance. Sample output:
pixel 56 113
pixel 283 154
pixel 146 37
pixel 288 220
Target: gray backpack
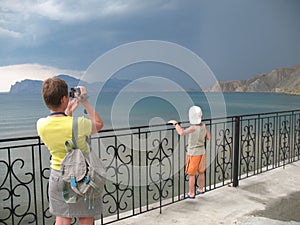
pixel 83 172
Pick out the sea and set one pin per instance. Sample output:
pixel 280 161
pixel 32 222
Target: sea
pixel 20 112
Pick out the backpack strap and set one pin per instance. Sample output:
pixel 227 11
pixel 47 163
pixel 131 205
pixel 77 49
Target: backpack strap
pixel 74 131
pixel 75 134
pixel 95 186
pixel 69 145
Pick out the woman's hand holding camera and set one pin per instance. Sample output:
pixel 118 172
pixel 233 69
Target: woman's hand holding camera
pixel 81 96
pixel 78 95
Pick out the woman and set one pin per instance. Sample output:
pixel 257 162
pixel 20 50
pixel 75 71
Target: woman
pixel 54 131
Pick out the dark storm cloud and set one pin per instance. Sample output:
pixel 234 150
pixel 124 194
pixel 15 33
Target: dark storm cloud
pixel 236 38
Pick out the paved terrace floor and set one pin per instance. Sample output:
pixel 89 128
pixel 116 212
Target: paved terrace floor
pixel 271 198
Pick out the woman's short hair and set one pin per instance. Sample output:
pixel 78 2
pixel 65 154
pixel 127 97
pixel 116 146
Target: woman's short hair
pixel 53 90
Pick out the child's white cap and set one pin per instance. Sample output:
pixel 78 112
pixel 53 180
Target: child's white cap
pixel 195 115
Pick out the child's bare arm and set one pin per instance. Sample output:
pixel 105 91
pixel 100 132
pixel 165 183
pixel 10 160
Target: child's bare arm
pixel 179 129
pixel 207 134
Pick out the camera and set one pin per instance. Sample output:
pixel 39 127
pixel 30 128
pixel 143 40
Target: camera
pixel 75 90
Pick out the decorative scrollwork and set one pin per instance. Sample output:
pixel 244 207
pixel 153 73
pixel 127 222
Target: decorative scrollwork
pixel 5 193
pixel 248 149
pixel 267 145
pixel 18 177
pixel 20 193
pixel 284 140
pixel 119 191
pixel 224 155
pixel 297 138
pixel 45 173
pixel 4 172
pixel 160 169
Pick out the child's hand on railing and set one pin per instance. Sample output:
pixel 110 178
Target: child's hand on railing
pixel 174 122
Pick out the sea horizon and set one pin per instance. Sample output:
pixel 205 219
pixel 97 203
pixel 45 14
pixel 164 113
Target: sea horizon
pixel 131 109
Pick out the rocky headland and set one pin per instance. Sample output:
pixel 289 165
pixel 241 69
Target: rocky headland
pixel 283 80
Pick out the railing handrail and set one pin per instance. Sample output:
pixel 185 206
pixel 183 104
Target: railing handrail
pixel 159 125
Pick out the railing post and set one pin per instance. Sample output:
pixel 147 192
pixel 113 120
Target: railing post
pixel 236 153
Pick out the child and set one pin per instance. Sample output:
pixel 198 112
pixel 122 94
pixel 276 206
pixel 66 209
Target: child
pixel 195 158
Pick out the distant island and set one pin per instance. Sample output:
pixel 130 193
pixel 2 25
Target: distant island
pixel 35 86
pixel 283 80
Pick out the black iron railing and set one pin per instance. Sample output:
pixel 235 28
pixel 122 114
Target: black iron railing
pixel 145 165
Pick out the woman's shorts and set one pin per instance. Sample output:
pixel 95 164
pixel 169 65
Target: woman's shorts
pixel 194 164
pixel 58 206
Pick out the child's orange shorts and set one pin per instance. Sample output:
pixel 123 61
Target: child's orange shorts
pixel 194 164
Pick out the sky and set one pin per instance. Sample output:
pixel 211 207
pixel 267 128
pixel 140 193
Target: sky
pixel 237 39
